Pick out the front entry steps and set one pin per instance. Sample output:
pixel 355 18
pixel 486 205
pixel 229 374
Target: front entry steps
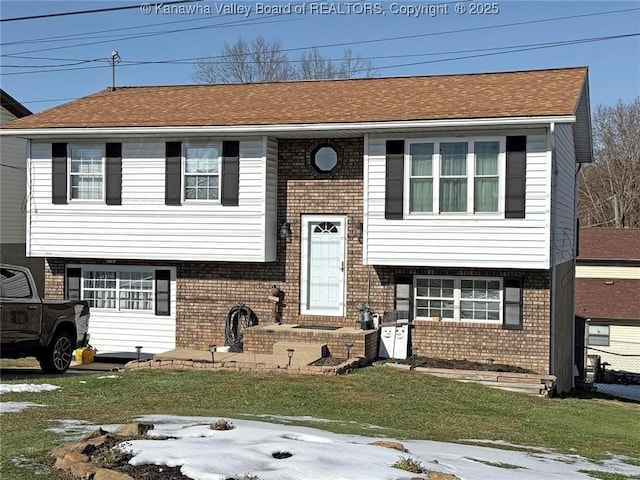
pixel 302 353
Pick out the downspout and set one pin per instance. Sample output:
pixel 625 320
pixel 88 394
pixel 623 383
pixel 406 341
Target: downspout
pixel 552 253
pixel 573 284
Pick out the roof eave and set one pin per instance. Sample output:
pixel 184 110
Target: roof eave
pixel 274 129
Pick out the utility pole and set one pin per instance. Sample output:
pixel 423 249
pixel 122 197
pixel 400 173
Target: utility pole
pixel 115 58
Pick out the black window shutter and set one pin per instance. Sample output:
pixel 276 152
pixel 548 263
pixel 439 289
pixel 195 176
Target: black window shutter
pixel 163 292
pixel 394 182
pixel 173 173
pixel 512 304
pixel 230 173
pixel 73 283
pixel 516 177
pixel 59 173
pixel 113 154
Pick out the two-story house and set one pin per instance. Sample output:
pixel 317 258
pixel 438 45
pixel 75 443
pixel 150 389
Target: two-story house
pixel 452 197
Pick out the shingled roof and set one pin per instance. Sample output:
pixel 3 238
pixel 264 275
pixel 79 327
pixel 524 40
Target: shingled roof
pixel 609 244
pixel 532 93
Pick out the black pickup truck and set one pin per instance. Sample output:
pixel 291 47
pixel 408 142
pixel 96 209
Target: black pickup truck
pixel 49 330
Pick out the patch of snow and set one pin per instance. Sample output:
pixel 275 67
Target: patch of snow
pixel 26 388
pixel 318 455
pixel 14 407
pixel 310 419
pixel 109 376
pixel 76 429
pixel 24 462
pixel 629 392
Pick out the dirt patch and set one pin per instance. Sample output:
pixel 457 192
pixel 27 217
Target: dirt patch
pixel 431 362
pixel 329 362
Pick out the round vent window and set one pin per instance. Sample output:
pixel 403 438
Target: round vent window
pixel 325 159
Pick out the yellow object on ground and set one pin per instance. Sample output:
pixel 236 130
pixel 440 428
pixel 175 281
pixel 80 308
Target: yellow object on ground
pixel 85 355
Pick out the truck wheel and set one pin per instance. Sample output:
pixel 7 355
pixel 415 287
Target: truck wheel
pixel 56 358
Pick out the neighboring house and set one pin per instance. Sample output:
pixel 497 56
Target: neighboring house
pixel 608 294
pixel 452 197
pixel 13 193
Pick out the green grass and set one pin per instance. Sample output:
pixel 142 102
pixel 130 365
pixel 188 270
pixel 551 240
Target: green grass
pixel 407 405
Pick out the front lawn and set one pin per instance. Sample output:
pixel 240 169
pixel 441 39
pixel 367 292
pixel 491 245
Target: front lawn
pixel 406 404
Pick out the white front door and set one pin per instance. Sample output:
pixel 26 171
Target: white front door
pixel 323 265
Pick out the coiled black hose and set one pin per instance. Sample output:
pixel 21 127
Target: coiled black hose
pixel 238 318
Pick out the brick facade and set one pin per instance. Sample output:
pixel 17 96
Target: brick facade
pixel 206 291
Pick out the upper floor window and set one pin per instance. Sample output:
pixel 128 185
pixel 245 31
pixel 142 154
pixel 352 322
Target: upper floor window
pixel 202 173
pixel 454 177
pixel 86 173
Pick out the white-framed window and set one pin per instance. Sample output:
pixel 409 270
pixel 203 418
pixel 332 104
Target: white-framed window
pixel 467 299
pixel 127 290
pixel 201 172
pixel 86 173
pixel 454 176
pixel 598 335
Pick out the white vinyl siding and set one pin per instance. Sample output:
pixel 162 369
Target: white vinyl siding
pixel 143 227
pixel 623 340
pixel 563 195
pixel 606 271
pixel 13 186
pixel 468 239
pixel 121 316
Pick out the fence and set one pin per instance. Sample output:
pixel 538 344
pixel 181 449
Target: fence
pixel 613 373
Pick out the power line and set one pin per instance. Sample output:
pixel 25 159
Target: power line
pixel 341 44
pixel 490 51
pixel 82 12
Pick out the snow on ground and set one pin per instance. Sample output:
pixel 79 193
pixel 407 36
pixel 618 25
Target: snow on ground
pixel 14 407
pixel 109 376
pixel 26 388
pixel 320 455
pixel 630 392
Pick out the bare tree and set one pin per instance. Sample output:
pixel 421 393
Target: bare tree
pixel 258 61
pixel 313 65
pixel 609 189
pixel 265 61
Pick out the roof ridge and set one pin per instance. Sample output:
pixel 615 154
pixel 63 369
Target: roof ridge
pixel 353 79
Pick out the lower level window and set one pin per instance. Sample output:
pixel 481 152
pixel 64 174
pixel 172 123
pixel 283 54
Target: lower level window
pixel 127 290
pixel 458 298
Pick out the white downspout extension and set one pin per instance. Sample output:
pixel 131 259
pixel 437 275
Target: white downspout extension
pixel 552 257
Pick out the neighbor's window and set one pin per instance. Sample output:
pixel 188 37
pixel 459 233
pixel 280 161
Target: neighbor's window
pixel 458 298
pixel 599 335
pixel 453 177
pixel 129 290
pixel 325 159
pixel 87 173
pixel 202 173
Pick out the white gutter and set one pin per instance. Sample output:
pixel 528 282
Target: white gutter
pixel 283 128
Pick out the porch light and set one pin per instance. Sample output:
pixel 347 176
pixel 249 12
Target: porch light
pixel 138 350
pixel 360 231
pixel 349 346
pixel 212 349
pixel 290 354
pixel 285 231
pixel 490 363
